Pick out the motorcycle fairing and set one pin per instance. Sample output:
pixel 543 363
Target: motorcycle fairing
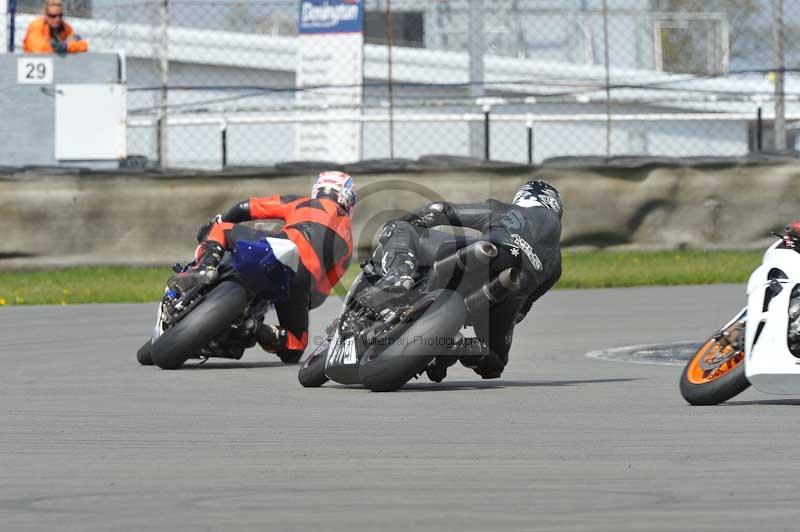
pixel 341 362
pixel 267 266
pixel 157 330
pixel 769 365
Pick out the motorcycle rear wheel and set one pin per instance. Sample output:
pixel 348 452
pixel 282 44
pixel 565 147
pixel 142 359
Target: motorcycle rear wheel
pixel 214 314
pixel 412 346
pixel 716 373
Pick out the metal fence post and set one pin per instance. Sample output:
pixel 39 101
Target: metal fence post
pixel 487 109
pixel 759 131
pixel 475 46
pixel 529 130
pixel 224 139
pixel 12 22
pixel 606 62
pixel 777 59
pixel 389 80
pixel 164 67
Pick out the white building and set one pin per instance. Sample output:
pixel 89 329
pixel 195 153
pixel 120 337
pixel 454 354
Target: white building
pixel 550 76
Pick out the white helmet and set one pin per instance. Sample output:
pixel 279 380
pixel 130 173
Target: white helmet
pixel 338 186
pixel 539 193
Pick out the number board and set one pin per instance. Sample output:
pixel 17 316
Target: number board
pixel 32 70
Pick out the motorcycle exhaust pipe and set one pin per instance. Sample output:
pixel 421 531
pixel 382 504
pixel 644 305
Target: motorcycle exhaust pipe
pixel 494 291
pixel 444 270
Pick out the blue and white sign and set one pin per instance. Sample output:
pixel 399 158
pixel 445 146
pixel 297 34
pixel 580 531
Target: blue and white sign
pixel 331 16
pixel 330 70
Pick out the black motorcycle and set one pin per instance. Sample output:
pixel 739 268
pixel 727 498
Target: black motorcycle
pixel 383 348
pixel 218 319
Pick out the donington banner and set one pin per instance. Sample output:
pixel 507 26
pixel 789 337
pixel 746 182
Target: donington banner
pixel 330 72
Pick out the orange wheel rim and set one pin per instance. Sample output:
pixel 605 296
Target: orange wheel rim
pixel 712 361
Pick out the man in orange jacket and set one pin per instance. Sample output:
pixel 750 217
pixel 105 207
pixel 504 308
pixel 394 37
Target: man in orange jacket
pixel 320 227
pixel 49 33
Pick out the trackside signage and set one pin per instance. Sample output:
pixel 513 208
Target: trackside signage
pixel 331 16
pixel 330 73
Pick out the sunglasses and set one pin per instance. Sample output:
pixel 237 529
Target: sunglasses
pixel 60 15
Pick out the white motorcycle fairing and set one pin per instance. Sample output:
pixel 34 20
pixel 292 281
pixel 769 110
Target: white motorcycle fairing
pixel 285 251
pixel 341 358
pixel 158 329
pixel 769 364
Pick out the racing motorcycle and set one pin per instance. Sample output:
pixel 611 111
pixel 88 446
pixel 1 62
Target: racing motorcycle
pixel 218 319
pixel 382 349
pixel 761 344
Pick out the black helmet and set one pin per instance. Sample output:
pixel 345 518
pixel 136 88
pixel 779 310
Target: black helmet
pixel 539 193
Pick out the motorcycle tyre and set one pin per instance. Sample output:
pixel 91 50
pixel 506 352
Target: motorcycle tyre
pixel 224 303
pixel 714 392
pixel 312 373
pixel 392 368
pixel 143 355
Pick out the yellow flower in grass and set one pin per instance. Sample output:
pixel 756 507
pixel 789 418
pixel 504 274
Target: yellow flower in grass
pixel 2 301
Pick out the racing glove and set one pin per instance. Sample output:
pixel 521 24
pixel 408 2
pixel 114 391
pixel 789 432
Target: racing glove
pixel 202 233
pixel 205 272
pixel 432 215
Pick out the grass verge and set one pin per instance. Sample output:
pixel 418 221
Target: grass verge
pixel 665 268
pixel 581 270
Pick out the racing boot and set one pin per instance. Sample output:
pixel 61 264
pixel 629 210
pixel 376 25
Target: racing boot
pixel 273 339
pixel 270 337
pixel 437 368
pixel 470 351
pixel 204 272
pixel 477 356
pixel 399 276
pixel 397 281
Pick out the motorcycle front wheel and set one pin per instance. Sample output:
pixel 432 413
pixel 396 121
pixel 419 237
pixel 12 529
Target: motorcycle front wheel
pixel 312 373
pixel 143 354
pixel 715 373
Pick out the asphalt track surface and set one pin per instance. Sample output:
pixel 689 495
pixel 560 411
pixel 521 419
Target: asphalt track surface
pixel 93 442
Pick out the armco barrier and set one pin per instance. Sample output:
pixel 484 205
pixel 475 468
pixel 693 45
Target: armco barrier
pixel 94 219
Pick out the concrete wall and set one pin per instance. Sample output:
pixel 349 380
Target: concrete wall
pixel 55 220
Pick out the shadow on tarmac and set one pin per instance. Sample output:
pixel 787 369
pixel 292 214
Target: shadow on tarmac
pixel 489 384
pixel 234 365
pixel 412 387
pixel 778 402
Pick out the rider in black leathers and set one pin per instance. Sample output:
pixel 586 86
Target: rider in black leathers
pixel 533 221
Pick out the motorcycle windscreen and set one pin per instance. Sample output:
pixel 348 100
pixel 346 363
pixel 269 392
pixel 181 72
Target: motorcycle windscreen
pixel 260 270
pixel 769 365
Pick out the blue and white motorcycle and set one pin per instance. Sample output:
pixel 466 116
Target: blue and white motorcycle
pixel 217 319
pixel 761 344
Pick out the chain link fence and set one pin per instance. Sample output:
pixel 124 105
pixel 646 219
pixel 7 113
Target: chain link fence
pixel 213 83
